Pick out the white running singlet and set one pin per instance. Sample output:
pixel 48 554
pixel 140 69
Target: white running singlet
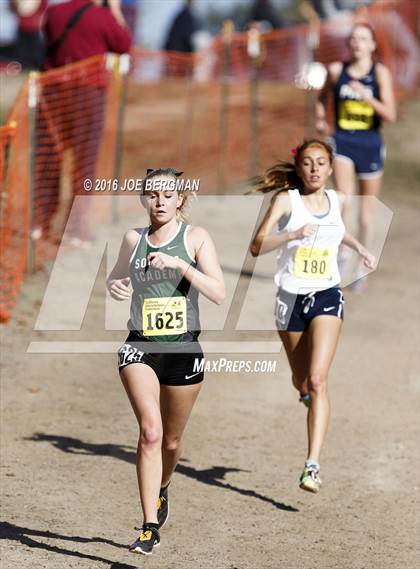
pixel 310 264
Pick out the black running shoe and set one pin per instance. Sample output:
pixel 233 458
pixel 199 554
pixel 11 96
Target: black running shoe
pixel 163 507
pixel 305 398
pixel 148 539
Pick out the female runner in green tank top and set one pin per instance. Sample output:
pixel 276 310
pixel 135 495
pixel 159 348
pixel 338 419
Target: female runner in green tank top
pixel 168 264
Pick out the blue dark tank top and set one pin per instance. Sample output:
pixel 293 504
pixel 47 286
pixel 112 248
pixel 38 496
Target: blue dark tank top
pixel 351 112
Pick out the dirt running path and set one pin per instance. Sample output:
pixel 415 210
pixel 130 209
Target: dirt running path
pixel 68 440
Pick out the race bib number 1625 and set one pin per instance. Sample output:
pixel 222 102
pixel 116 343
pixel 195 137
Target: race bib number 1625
pixel 164 316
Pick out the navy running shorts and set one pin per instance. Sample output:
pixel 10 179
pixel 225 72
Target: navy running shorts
pixel 179 364
pixel 294 312
pixel 365 149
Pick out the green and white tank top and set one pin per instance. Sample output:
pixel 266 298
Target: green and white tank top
pixel 164 305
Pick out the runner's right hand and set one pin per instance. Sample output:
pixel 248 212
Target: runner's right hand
pixel 305 231
pixel 119 289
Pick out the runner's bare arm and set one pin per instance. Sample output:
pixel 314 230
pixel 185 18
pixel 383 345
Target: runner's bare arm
pixel 353 243
pixel 384 106
pixel 321 125
pixel 263 242
pixel 208 279
pixel 118 279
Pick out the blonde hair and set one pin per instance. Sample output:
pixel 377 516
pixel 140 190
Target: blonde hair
pixel 182 212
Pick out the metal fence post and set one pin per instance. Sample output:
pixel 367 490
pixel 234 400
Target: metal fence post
pixel 32 112
pixel 122 71
pixel 311 96
pixel 254 52
pixel 228 29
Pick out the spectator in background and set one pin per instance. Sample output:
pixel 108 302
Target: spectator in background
pixel 129 11
pixel 314 11
pixel 264 18
pixel 334 12
pixel 337 22
pixel 182 29
pixel 28 49
pixel 71 113
pixel 262 11
pixel 8 27
pixel 100 28
pixel 323 9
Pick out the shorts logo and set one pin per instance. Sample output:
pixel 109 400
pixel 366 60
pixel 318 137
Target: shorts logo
pixel 329 308
pixel 280 312
pixel 193 375
pixel 128 355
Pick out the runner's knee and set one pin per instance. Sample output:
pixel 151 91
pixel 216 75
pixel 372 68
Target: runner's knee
pixel 317 383
pixel 150 436
pixel 171 443
pixel 298 381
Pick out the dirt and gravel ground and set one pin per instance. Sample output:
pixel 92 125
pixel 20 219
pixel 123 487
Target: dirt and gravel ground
pixel 68 438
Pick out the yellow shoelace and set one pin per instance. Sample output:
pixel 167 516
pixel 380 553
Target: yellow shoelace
pixel 160 502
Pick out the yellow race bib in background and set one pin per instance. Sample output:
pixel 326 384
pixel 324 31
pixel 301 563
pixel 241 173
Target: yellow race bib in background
pixel 355 115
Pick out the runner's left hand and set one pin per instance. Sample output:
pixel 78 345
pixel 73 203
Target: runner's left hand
pixel 368 259
pixel 360 89
pixel 163 261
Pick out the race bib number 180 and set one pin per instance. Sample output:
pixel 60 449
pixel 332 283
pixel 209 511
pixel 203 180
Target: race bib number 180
pixel 164 316
pixel 311 263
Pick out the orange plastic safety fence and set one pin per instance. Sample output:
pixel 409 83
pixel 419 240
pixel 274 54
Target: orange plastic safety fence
pixel 284 52
pixel 65 130
pixel 204 113
pixel 219 115
pixel 76 122
pixel 207 117
pixel 14 204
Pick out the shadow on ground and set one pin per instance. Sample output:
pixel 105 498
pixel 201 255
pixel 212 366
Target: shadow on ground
pixel 26 536
pixel 212 476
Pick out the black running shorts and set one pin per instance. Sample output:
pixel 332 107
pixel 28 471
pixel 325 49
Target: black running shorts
pixel 294 312
pixel 180 364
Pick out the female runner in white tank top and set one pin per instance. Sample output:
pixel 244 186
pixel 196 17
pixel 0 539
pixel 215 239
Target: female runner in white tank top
pixel 309 302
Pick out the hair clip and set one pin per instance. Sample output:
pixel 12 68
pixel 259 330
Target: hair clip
pixel 293 151
pixel 175 172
